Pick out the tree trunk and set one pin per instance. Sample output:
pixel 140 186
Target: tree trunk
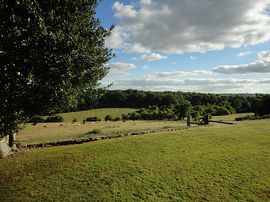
pixel 11 140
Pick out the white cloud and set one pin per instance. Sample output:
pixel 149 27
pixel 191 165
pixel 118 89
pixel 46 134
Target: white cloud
pixel 136 48
pixel 195 26
pixel 176 74
pixel 124 11
pixel 192 57
pixel 117 38
pixel 242 54
pixel 119 68
pixel 198 85
pixel 264 56
pixel 153 57
pixel 146 2
pixel 262 65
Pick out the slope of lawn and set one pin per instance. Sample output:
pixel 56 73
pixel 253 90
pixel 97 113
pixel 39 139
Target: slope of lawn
pixel 63 131
pixel 231 117
pixel 219 163
pixel 101 113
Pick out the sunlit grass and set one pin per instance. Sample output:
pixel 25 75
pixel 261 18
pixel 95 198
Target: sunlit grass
pixel 224 163
pixel 101 113
pixel 45 132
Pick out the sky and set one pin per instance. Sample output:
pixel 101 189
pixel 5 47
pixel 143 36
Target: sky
pixel 207 46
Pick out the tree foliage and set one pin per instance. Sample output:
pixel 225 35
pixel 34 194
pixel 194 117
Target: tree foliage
pixel 50 52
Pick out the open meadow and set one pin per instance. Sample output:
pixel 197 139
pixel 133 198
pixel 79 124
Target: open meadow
pixel 217 163
pixel 101 113
pixel 46 132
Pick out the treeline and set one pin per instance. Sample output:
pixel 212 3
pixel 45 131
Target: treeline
pixel 196 103
pixel 172 105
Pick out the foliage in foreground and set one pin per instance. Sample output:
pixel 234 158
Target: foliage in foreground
pixel 223 163
pixel 51 52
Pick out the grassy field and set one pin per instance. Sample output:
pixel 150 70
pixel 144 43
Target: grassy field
pixel 231 117
pixel 219 163
pixel 64 131
pixel 101 113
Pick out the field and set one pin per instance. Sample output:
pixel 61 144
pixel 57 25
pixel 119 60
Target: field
pixel 46 132
pixel 218 163
pixel 64 131
pixel 230 117
pixel 101 113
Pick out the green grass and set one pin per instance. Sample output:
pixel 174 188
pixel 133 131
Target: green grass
pixel 219 163
pixel 63 131
pixel 231 117
pixel 101 113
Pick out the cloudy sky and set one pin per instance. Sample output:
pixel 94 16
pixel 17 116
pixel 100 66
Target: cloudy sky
pixel 213 46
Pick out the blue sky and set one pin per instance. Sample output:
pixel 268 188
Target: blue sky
pixel 207 46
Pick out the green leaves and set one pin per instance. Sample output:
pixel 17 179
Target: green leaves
pixel 50 51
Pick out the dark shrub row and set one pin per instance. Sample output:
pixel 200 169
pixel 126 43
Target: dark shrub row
pixel 252 117
pixel 39 119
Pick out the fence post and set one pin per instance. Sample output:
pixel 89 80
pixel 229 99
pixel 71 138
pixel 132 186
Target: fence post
pixel 206 119
pixel 188 121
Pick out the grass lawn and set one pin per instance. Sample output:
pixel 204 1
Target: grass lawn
pixel 219 163
pixel 64 131
pixel 101 113
pixel 231 117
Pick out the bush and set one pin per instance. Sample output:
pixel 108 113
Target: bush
pixel 74 120
pixel 117 119
pixel 221 111
pixel 239 119
pixel 92 119
pixel 124 117
pixel 36 119
pixel 266 116
pixel 56 118
pixel 108 118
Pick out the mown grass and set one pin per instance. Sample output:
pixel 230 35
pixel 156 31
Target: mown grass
pixel 224 163
pixel 63 131
pixel 231 117
pixel 101 113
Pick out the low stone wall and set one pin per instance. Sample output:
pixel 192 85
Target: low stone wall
pixel 5 150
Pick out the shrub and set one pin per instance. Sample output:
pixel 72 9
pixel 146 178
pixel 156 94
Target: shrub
pixel 239 119
pixel 117 119
pixel 92 119
pixel 74 120
pixel 56 118
pixel 124 117
pixel 36 119
pixel 108 118
pixel 266 116
pixel 220 111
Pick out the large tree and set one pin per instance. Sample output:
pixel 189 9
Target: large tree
pixel 50 51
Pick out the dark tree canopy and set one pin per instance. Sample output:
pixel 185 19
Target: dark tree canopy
pixel 50 52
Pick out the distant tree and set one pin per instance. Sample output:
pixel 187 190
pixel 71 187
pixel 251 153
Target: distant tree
pixel 221 111
pixel 263 106
pixel 49 51
pixel 183 109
